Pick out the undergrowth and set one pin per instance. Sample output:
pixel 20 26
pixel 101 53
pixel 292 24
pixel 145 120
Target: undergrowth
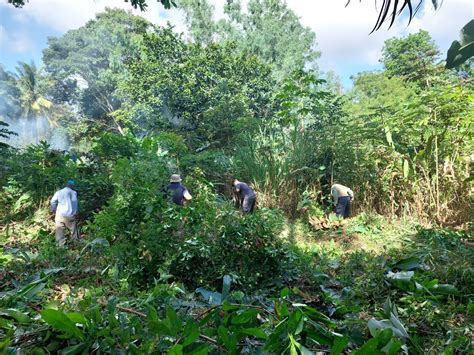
pixel 149 277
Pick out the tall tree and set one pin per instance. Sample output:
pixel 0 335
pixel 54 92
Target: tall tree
pixel 88 63
pixel 268 29
pixel 207 93
pixel 412 57
pixel 199 18
pixel 32 102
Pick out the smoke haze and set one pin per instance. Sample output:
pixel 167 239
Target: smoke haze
pixel 33 131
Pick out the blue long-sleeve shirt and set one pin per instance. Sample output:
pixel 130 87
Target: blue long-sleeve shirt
pixel 64 203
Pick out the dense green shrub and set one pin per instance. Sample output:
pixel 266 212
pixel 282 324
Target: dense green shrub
pixel 198 244
pixel 30 176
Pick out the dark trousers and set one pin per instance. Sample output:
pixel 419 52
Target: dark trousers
pixel 343 208
pixel 248 204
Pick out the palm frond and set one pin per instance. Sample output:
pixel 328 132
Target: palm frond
pixel 391 9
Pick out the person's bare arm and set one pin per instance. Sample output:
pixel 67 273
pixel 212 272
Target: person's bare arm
pixel 187 196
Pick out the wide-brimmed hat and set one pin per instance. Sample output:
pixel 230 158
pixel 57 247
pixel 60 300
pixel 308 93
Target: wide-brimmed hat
pixel 175 178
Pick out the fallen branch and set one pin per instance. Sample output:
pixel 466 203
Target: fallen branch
pixel 132 311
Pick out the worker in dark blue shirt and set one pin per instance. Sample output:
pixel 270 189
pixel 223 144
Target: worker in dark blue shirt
pixel 247 196
pixel 178 193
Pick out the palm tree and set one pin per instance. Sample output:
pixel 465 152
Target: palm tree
pixel 34 107
pixel 31 101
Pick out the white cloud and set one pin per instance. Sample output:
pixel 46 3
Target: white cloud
pixel 64 15
pixel 20 43
pixel 3 36
pixel 342 32
pixel 15 42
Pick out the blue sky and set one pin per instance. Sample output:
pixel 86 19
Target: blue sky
pixel 25 40
pixel 342 32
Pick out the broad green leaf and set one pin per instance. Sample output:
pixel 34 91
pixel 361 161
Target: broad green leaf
pixel 293 348
pixel 174 322
pixel 339 344
pixel 77 318
pixel 229 307
pixel 467 33
pixel 384 336
pixel 406 169
pixel 4 343
pixel 460 51
pixel 176 350
pixel 256 332
pixel 294 320
pixel 369 348
pixel 223 336
pixel 408 264
pixel 20 317
pixel 319 337
pixel 245 317
pixel 60 321
pixel 389 308
pixel 444 289
pixel 392 347
pixel 430 283
pixel 73 349
pixel 214 298
pixel 303 350
pixel 285 292
pixel 34 290
pixel 191 333
pixel 399 326
pixel 402 279
pixel 376 326
pixel 300 326
pixel 159 327
pixel 316 315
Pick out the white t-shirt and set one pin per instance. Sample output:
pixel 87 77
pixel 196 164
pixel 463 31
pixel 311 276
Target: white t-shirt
pixel 64 203
pixel 338 190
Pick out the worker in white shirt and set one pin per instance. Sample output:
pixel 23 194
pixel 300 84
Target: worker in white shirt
pixel 343 197
pixel 64 205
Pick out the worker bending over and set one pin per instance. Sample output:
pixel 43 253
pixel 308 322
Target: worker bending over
pixel 247 196
pixel 343 197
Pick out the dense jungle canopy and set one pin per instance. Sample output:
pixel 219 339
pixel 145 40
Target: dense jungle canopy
pixel 121 104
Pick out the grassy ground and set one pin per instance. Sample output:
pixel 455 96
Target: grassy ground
pixel 348 272
pixel 354 263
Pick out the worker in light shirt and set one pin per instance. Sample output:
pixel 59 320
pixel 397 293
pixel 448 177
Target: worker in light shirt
pixel 343 197
pixel 64 205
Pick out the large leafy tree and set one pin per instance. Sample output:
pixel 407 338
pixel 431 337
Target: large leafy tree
pixel 88 63
pixel 269 29
pixel 204 92
pixel 412 57
pixel 410 140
